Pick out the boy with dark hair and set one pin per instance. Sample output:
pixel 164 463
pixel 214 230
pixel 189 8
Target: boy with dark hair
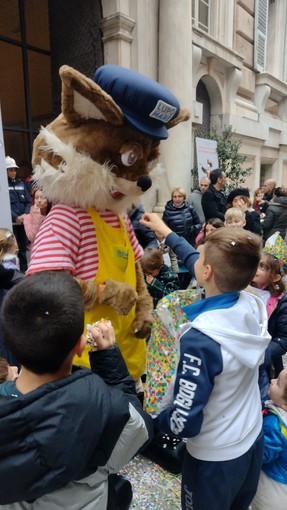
pixel 216 400
pixel 64 429
pixel 161 280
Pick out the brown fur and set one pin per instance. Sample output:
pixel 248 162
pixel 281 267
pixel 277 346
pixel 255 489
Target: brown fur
pixel 144 306
pixel 78 159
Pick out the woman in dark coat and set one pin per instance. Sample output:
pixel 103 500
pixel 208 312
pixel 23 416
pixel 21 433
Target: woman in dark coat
pixel 276 215
pixel 182 218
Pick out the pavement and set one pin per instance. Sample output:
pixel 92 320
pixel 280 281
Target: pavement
pixel 154 488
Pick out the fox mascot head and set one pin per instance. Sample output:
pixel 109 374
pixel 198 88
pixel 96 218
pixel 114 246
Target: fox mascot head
pixel 100 151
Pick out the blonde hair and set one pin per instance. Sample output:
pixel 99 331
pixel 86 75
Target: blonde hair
pixel 234 255
pixel 234 212
pixel 180 190
pixel 7 240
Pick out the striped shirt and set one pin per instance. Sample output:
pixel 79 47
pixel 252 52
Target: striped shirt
pixel 67 241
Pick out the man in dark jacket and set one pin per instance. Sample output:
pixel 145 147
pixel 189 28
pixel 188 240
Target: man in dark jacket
pixel 268 188
pixel 20 202
pixel 213 200
pixel 64 429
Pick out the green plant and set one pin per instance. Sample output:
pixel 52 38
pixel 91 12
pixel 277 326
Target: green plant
pixel 229 158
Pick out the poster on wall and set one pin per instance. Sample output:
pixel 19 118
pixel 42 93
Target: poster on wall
pixel 5 212
pixel 207 158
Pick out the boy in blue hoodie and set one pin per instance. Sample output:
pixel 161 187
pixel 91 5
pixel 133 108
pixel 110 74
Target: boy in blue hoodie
pixel 216 400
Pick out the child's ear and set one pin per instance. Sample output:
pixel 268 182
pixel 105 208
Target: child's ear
pixel 244 223
pixel 277 278
pixel 80 345
pixel 207 273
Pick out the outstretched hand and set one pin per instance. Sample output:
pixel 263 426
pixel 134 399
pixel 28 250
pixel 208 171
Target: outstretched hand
pixel 155 223
pixel 101 335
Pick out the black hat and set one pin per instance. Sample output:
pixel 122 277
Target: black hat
pixel 236 193
pixel 146 105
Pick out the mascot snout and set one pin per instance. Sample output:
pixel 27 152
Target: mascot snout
pixel 144 183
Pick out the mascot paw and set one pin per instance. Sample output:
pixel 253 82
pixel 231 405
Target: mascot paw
pixel 120 296
pixel 142 328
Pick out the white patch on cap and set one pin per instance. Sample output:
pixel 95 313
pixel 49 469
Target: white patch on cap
pixel 163 111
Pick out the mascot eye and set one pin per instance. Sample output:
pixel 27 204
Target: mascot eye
pixel 129 158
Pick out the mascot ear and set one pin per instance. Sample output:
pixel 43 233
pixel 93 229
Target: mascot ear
pixel 182 116
pixel 83 99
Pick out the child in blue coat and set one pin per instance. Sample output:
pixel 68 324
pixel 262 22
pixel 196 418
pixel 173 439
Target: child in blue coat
pixel 272 487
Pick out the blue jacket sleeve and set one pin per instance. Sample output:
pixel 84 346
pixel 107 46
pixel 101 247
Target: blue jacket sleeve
pixel 200 362
pixel 273 439
pixel 183 250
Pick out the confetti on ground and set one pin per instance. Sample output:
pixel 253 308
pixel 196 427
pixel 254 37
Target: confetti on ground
pixel 154 488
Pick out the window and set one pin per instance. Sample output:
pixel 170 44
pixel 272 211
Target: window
pixel 201 14
pixel 25 81
pixel 260 34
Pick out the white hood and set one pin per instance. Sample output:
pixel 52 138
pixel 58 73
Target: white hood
pixel 244 323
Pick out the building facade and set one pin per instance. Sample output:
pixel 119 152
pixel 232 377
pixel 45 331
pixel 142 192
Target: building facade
pixel 225 60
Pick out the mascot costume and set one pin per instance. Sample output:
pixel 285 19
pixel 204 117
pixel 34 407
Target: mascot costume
pixel 93 162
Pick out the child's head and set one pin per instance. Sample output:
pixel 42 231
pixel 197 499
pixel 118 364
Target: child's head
pixel 152 261
pixel 280 191
pixel 40 200
pixel 212 224
pixel 7 372
pixel 258 195
pixel 8 243
pixel 278 390
pixel 43 318
pixel 231 256
pixel 235 217
pixel 268 275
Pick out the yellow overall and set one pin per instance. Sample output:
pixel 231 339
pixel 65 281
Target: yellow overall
pixel 116 261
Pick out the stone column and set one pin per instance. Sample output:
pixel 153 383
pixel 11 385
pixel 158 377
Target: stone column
pixel 117 26
pixel 175 72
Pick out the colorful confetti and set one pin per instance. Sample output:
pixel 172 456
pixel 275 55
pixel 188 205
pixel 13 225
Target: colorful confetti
pixel 153 487
pixel 162 345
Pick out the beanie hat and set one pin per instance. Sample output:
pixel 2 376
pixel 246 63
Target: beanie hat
pixel 237 193
pixel 146 105
pixel 10 163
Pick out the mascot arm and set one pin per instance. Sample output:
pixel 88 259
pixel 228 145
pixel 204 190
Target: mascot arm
pixel 144 306
pixel 120 296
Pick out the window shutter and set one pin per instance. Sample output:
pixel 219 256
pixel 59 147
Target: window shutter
pixel 285 52
pixel 260 34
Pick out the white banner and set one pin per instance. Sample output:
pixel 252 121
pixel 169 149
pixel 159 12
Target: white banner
pixel 5 211
pixel 207 158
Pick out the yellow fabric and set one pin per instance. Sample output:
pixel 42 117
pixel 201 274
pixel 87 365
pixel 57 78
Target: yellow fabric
pixel 116 261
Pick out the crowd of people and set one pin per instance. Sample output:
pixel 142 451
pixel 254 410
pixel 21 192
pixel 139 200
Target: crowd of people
pixel 229 368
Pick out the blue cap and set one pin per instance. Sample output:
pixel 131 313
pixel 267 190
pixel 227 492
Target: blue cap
pixel 146 105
